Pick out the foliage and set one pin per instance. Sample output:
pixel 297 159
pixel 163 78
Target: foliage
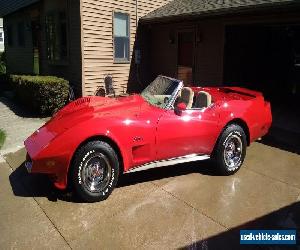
pixel 44 94
pixel 2 138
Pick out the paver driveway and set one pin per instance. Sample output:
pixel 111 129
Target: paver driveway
pixel 172 207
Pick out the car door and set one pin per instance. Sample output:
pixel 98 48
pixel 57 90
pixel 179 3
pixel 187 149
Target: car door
pixel 193 131
pixel 140 133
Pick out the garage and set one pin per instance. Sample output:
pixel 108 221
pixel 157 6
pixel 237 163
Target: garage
pixel 254 44
pixel 266 57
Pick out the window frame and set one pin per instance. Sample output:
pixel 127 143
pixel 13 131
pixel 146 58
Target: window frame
pixel 55 13
pixel 2 36
pixel 9 29
pixel 115 59
pixel 21 36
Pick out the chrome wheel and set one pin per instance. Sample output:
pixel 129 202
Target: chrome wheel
pixel 233 152
pixel 96 172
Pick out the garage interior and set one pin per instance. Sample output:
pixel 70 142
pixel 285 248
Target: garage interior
pixel 266 57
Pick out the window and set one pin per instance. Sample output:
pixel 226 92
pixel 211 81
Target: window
pixel 56 34
pixel 21 36
pixel 121 37
pixel 9 33
pixel 1 37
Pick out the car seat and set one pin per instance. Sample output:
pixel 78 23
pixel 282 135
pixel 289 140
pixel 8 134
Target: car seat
pixel 203 100
pixel 187 95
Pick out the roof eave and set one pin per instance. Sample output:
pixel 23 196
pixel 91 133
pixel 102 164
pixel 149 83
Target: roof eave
pixel 220 12
pixel 10 9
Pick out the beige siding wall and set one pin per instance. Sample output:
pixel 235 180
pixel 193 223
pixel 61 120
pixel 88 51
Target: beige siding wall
pixel 97 40
pixel 146 6
pixel 19 58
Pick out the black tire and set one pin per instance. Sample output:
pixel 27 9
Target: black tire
pixel 228 155
pixel 95 171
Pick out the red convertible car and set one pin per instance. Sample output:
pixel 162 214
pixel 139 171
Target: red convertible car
pixel 92 140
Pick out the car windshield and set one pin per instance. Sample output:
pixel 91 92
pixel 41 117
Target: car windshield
pixel 160 92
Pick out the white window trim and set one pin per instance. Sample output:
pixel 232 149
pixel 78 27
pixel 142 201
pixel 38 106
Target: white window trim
pixel 120 60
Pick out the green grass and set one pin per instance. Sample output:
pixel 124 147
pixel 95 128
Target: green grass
pixel 2 138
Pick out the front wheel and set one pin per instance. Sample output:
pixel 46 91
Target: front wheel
pixel 230 150
pixel 95 171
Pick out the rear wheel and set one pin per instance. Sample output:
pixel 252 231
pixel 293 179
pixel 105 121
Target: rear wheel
pixel 230 150
pixel 95 171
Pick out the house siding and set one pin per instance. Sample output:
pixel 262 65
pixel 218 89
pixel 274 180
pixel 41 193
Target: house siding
pixel 97 41
pixel 146 6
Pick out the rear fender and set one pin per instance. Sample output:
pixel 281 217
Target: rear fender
pixel 252 112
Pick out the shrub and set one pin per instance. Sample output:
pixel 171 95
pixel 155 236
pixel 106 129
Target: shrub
pixel 2 138
pixel 43 94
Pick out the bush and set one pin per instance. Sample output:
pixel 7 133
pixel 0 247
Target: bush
pixel 2 138
pixel 43 94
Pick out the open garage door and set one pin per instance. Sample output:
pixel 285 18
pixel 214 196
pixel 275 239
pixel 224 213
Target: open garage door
pixel 267 58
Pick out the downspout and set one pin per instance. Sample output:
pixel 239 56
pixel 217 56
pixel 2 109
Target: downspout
pixel 136 30
pixel 83 92
pixel 136 13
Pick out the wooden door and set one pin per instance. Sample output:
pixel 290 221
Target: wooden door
pixel 185 57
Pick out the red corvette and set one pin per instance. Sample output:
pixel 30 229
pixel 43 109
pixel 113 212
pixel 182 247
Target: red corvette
pixel 93 140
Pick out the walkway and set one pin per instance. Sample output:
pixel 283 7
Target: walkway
pixel 17 125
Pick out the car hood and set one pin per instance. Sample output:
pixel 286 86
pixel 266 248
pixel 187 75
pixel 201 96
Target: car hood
pixel 82 110
pixel 96 107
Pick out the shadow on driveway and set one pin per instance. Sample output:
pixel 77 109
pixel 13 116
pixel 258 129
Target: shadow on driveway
pixel 19 109
pixel 202 167
pixel 283 219
pixel 32 185
pixel 38 185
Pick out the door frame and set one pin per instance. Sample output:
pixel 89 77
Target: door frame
pixel 35 22
pixel 187 29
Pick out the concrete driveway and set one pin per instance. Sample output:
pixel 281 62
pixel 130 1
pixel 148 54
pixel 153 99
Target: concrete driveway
pixel 183 206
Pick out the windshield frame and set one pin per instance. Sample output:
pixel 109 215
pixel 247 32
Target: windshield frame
pixel 171 101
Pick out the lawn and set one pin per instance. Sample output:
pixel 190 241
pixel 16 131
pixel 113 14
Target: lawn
pixel 2 138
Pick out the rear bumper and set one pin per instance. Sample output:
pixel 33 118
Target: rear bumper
pixel 268 119
pixel 268 115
